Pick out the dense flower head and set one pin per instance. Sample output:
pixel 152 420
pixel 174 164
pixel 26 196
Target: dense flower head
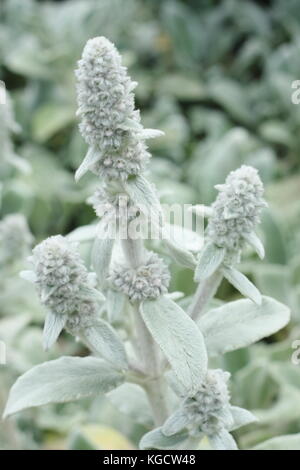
pixel 148 281
pixel 62 280
pixel 236 211
pixel 15 238
pixel 105 95
pixel 109 122
pixel 208 411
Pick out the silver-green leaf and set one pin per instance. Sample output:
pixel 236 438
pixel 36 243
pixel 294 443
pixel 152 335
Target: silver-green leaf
pixel 102 339
pixel 241 323
pixel 285 442
pixel 242 284
pixel 63 380
pixel 256 243
pixel 53 326
pixel 145 198
pixel 179 338
pixel 157 440
pixel 92 156
pixel 175 423
pixel 241 417
pixel 180 254
pixel 210 259
pixel 102 252
pixel 132 400
pixel 223 440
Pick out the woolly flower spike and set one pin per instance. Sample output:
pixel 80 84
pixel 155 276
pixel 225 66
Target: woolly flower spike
pixel 15 239
pixel 109 122
pixel 145 282
pixel 209 413
pixel 236 211
pixel 232 220
pixel 64 285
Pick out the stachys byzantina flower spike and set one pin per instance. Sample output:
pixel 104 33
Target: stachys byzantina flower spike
pixel 64 285
pixel 207 413
pixel 236 211
pixel 233 218
pixel 110 124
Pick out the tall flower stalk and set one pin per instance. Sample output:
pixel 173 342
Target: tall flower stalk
pixel 232 221
pixel 138 335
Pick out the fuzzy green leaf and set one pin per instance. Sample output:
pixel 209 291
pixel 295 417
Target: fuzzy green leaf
pixel 223 440
pixel 63 380
pixel 53 326
pixel 242 284
pixel 181 255
pixel 286 442
pixel 102 252
pixel 210 259
pixel 157 440
pixel 241 323
pixel 145 198
pixel 132 400
pixel 92 156
pixel 179 338
pixel 102 339
pixel 255 242
pixel 175 423
pixel 241 417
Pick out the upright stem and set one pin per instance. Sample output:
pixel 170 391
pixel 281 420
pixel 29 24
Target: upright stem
pixel 146 347
pixel 204 293
pixel 133 251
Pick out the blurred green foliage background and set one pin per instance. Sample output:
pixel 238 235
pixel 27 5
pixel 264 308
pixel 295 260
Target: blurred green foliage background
pixel 216 77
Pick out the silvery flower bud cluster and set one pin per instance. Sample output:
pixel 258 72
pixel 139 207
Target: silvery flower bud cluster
pixel 62 280
pixel 109 122
pixel 236 211
pixel 206 411
pixel 15 239
pixel 148 281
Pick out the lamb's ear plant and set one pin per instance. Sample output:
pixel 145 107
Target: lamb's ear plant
pixel 142 341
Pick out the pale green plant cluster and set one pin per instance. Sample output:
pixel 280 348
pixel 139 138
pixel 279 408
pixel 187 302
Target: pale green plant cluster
pixel 144 341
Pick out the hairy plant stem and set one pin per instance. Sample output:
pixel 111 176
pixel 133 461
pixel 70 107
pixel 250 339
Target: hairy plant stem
pixel 133 251
pixel 204 293
pixel 146 348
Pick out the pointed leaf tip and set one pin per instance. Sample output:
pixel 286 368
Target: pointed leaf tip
pixel 256 244
pixel 60 381
pixel 54 325
pixel 242 284
pixel 210 259
pixel 92 156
